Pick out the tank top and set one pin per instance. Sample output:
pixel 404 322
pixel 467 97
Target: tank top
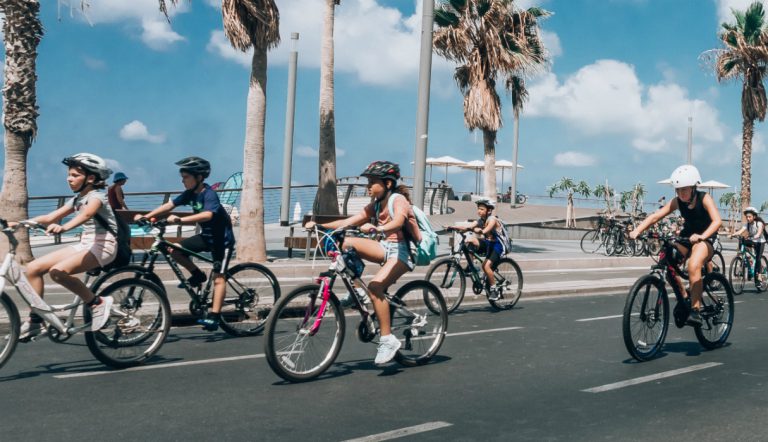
pixel 494 234
pixel 697 220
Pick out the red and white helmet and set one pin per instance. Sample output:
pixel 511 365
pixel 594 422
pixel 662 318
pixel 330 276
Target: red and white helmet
pixel 685 176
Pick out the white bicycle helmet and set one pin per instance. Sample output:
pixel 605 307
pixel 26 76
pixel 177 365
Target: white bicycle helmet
pixel 486 202
pixel 90 163
pixel 750 209
pixel 685 176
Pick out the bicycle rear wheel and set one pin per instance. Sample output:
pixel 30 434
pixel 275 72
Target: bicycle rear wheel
pixel 301 341
pixel 252 290
pixel 448 275
pixel 125 272
pixel 718 263
pixel 416 323
pixel 717 312
pixel 509 282
pixel 591 241
pixel 646 318
pixel 139 322
pixel 737 275
pixel 761 279
pixel 9 328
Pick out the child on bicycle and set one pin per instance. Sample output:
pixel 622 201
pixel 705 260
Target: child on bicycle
pixel 487 227
pixel 216 236
pixel 393 252
pixel 87 175
pixel 754 228
pixel 701 223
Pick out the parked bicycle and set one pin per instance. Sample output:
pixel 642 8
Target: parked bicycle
pixel 306 328
pixel 646 311
pixel 138 323
pixel 451 277
pixel 252 288
pixel 593 240
pixel 743 269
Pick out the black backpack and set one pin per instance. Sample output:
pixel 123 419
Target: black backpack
pixel 123 235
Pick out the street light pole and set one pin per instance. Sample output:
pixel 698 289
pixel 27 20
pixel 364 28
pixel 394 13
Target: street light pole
pixel 290 113
pixel 422 116
pixel 690 140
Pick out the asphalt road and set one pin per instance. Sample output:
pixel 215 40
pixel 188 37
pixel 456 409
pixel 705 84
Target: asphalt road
pixel 515 375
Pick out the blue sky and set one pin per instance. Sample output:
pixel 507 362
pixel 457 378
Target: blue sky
pixel 625 75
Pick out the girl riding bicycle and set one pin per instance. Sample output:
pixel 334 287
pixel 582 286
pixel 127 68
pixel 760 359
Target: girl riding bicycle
pixel 754 228
pixel 393 252
pixel 97 247
pixel 702 221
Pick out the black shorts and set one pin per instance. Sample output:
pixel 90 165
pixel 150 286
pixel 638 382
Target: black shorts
pixel 219 252
pixel 491 252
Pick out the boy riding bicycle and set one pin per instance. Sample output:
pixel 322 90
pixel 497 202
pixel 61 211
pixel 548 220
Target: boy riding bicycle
pixel 488 228
pixel 216 236
pixel 393 252
pixel 701 223
pixel 87 175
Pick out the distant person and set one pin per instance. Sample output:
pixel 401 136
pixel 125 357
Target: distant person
pixel 662 201
pixel 115 194
pixel 508 196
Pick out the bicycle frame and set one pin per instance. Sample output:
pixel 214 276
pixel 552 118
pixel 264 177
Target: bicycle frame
pixel 470 256
pixel 745 253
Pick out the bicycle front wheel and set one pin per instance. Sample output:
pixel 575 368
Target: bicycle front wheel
pixel 448 275
pixel 303 334
pixel 591 241
pixel 716 312
pixel 509 283
pixel 737 275
pixel 646 318
pixel 761 279
pixel 138 324
pixel 252 290
pixel 9 328
pixel 419 321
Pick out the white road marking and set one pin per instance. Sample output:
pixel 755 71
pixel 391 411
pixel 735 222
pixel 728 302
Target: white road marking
pixel 474 332
pixel 603 317
pixel 154 367
pixel 402 432
pixel 651 378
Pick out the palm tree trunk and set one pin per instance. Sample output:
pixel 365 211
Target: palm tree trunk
pixel 251 244
pixel 13 198
pixel 513 190
pixel 746 162
pixel 569 218
pixel 489 142
pixel 326 201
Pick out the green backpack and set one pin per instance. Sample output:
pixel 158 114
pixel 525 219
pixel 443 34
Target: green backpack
pixel 424 239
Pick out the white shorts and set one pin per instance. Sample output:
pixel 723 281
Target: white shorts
pixel 397 250
pixel 104 250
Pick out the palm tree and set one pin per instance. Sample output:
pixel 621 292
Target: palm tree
pixel 326 201
pixel 606 192
pixel 488 39
pixel 569 187
pixel 22 32
pixel 252 24
pixel 633 199
pixel 732 201
pixel 519 94
pixel 744 57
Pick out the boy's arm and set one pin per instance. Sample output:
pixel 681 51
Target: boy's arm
pixel 162 210
pixel 489 225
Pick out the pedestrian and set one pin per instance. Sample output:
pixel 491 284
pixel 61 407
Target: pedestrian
pixel 115 194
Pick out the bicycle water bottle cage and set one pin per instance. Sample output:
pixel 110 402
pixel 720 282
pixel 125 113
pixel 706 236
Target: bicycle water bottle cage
pixel 355 264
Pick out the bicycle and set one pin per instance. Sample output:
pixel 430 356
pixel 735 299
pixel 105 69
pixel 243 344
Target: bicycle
pixel 305 329
pixel 139 321
pixel 451 277
pixel 243 313
pixel 646 312
pixel 593 240
pixel 743 268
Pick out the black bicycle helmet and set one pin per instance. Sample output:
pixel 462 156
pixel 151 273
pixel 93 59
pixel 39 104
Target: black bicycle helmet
pixel 382 170
pixel 195 166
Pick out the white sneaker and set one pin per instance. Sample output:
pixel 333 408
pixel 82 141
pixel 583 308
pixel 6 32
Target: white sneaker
pixel 30 329
pixel 388 347
pixel 100 313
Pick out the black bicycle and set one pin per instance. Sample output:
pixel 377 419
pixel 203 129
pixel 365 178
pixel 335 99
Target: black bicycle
pixel 449 274
pixel 646 312
pixel 252 288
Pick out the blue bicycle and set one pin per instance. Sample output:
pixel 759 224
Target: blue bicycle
pixel 743 269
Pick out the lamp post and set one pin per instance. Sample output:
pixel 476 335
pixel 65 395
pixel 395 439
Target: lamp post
pixel 290 114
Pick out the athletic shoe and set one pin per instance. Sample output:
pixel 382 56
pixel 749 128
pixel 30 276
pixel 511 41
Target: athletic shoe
pixel 100 313
pixel 31 329
pixel 209 324
pixel 694 319
pixel 196 280
pixel 388 347
pixel 493 294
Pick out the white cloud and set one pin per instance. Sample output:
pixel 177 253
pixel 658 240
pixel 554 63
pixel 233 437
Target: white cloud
pixel 94 63
pixel 606 97
pixel 158 34
pixel 311 152
pixel 724 14
pixel 137 131
pixel 574 159
pixel 552 43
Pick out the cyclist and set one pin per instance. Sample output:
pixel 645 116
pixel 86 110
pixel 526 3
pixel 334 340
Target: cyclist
pixel 754 228
pixel 115 192
pixel 216 236
pixel 86 177
pixel 393 252
pixel 701 223
pixel 488 228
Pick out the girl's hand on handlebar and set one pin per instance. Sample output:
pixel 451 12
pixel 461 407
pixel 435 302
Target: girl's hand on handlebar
pixel 696 238
pixel 477 230
pixel 310 225
pixel 54 229
pixel 368 228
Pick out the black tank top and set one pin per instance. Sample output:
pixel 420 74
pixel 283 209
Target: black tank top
pixel 697 220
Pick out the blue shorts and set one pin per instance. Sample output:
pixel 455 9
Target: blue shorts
pixel 399 250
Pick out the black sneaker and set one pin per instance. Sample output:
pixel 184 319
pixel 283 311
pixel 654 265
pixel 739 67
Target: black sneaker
pixel 493 294
pixel 196 280
pixel 209 324
pixel 694 319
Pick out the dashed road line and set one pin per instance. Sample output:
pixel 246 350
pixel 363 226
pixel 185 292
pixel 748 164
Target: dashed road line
pixel 650 378
pixel 402 432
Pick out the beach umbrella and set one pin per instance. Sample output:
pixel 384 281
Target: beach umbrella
pixel 664 181
pixel 477 166
pixel 503 165
pixel 443 161
pixel 712 185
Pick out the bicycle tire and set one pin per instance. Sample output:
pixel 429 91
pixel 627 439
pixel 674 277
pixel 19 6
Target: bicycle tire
pixel 761 286
pixel 645 319
pixel 126 272
pixel 719 263
pixel 509 282
pixel 717 312
pixel 737 275
pixel 139 322
pixel 242 313
pixel 414 322
pixel 10 325
pixel 288 326
pixel 591 242
pixel 444 274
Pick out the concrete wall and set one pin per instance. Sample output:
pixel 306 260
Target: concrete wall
pixel 523 231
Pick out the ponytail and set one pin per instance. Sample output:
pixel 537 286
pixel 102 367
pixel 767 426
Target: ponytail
pixel 403 190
